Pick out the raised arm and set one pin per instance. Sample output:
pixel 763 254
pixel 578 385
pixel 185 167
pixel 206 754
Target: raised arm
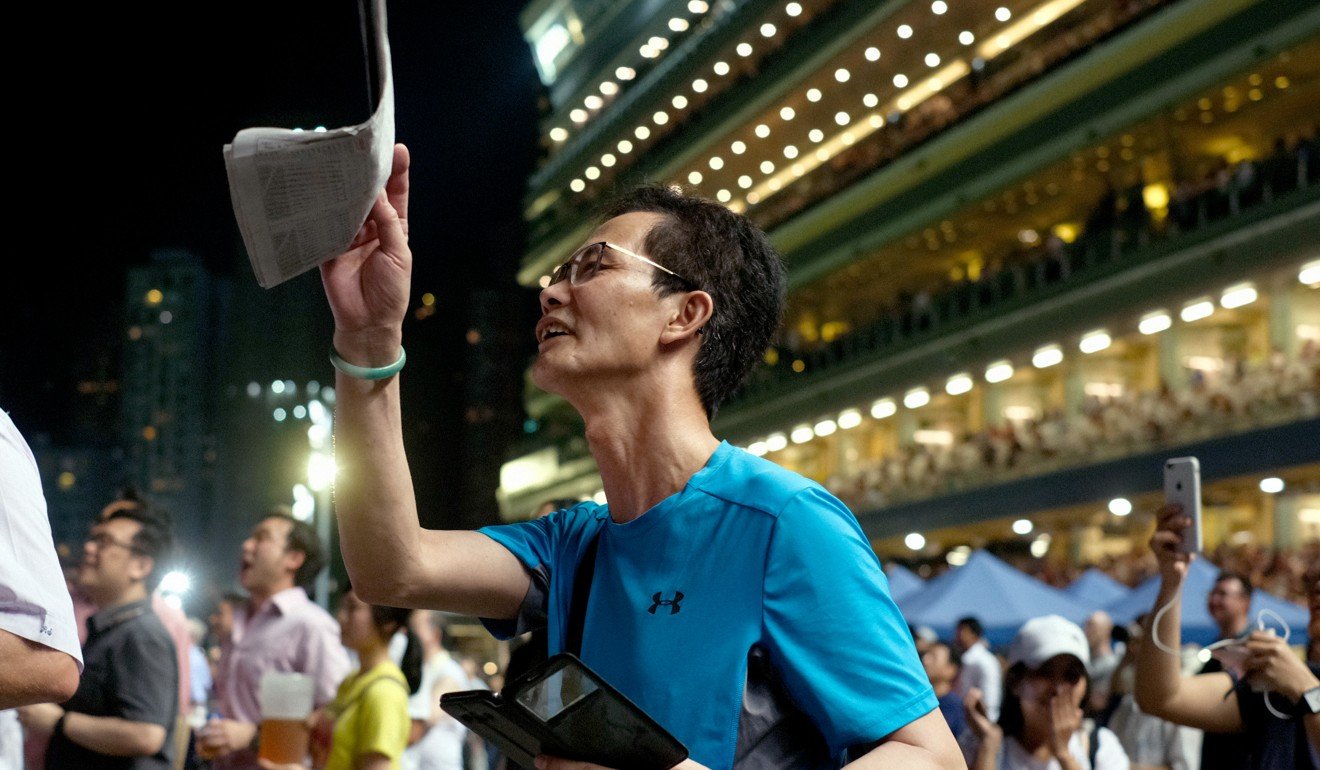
pixel 1161 689
pixel 390 557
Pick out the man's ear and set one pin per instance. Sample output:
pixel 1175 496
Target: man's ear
pixel 294 560
pixel 690 316
pixel 140 567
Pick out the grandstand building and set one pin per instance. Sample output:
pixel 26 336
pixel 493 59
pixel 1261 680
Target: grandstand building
pixel 1034 248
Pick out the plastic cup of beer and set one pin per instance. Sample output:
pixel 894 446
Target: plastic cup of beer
pixel 286 703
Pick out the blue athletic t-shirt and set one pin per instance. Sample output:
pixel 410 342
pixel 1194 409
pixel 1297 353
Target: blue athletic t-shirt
pixel 747 553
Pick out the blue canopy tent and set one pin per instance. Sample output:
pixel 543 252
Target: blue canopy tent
pixel 1097 589
pixel 902 581
pixel 1001 597
pixel 1197 626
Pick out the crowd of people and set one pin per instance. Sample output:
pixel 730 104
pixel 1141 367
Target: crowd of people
pixel 736 603
pixel 163 690
pixel 1239 396
pixel 1104 697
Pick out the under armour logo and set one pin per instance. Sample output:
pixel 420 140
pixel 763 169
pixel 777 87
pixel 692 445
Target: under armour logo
pixel 672 604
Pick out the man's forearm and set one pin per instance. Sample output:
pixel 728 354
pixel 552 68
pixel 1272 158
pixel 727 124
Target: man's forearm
pixel 1158 673
pixel 113 736
pixel 374 502
pixel 34 673
pixel 893 755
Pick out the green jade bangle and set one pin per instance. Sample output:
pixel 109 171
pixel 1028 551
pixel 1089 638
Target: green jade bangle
pixel 368 372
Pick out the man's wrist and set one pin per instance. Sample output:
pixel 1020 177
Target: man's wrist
pixel 369 348
pixel 1303 685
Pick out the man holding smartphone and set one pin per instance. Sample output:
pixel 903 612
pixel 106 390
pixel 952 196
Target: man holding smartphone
pixel 1275 682
pixel 715 570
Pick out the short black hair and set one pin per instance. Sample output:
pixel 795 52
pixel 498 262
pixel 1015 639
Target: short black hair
pixel 154 538
pixel 302 538
pixel 725 255
pixel 1242 580
pixel 971 624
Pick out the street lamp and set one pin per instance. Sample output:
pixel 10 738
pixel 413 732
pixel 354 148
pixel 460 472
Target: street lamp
pixel 320 478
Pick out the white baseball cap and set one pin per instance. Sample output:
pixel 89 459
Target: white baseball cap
pixel 1042 638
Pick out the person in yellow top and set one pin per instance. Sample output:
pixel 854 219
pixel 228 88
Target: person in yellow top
pixel 366 726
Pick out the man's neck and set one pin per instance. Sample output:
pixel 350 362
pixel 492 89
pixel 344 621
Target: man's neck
pixel 258 597
pixel 647 449
pixel 134 593
pixel 1234 629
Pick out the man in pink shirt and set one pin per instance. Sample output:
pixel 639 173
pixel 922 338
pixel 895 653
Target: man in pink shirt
pixel 280 629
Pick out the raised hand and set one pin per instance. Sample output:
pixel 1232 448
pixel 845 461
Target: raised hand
pixel 1170 529
pixel 978 718
pixel 1271 665
pixel 368 285
pixel 1065 719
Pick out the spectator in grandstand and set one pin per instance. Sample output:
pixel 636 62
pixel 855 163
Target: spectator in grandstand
pixel 1099 628
pixel 1148 740
pixel 1273 698
pixel 942 663
pixel 1041 724
pixel 980 668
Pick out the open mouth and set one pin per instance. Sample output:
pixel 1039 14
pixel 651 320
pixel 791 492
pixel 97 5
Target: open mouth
pixel 549 329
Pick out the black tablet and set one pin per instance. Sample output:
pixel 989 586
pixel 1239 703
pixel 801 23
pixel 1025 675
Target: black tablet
pixel 564 709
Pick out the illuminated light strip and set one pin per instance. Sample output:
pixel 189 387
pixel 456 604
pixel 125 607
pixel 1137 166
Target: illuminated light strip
pixel 1028 25
pixel 856 132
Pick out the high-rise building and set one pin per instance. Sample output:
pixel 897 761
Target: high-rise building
pixel 1034 247
pixel 167 388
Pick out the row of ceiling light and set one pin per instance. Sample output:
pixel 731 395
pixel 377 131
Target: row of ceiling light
pixel 802 161
pixel 660 117
pixel 1154 322
pixel 1119 506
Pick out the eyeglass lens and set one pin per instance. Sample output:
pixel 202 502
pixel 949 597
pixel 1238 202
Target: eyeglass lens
pixel 581 267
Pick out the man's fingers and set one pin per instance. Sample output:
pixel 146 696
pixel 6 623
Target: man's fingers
pixel 397 186
pixel 393 239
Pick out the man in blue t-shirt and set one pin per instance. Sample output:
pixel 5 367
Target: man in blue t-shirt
pixel 739 604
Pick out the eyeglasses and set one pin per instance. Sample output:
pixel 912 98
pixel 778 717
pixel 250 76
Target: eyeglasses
pixel 103 540
pixel 585 264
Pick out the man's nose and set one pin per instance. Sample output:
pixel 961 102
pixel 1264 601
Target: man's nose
pixel 554 295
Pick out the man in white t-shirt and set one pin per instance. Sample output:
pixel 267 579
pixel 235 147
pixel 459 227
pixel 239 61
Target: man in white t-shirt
pixel 436 742
pixel 980 667
pixel 40 657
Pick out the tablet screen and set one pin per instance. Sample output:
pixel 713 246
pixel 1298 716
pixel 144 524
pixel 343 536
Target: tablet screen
pixel 561 689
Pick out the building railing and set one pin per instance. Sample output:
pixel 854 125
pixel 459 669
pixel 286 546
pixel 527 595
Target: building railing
pixel 1111 242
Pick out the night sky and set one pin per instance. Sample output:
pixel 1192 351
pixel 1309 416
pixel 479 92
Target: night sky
pixel 129 109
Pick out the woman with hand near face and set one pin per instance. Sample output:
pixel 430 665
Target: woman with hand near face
pixel 1040 722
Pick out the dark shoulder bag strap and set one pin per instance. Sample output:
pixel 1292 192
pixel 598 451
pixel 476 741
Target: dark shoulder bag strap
pixel 577 608
pixel 1094 747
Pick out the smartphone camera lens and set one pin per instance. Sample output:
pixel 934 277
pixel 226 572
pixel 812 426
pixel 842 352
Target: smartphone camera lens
pixel 1178 486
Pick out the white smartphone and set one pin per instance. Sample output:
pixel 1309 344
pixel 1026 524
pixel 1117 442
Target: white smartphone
pixel 1182 485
